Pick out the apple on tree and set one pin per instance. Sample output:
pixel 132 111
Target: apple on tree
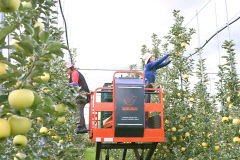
pixel 183 45
pixel 45 77
pixel 204 144
pixel 236 121
pixel 216 148
pixel 27 4
pixel 21 99
pixel 60 108
pixel 185 76
pixel 20 141
pixel 39 24
pixel 9 5
pixel 15 45
pixel 61 119
pixel 19 125
pixel 3 68
pixel 44 130
pixel 5 129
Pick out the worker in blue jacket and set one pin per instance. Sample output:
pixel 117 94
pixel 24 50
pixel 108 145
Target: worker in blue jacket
pixel 150 71
pixel 151 66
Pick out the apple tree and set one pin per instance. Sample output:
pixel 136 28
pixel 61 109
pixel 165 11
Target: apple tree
pixel 34 91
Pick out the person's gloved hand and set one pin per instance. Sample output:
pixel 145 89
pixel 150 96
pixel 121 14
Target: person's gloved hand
pixel 73 83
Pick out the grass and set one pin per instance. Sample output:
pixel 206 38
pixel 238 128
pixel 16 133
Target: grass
pixel 91 152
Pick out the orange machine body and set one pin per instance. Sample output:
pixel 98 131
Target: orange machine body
pixel 98 134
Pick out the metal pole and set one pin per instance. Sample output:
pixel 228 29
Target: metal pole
pixel 219 54
pixel 229 38
pixel 1 19
pixel 227 20
pixel 1 26
pixel 201 69
pixel 200 52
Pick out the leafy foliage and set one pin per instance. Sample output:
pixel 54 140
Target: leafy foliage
pixel 34 52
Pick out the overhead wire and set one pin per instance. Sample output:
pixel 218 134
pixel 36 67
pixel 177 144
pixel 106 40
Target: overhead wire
pixel 113 70
pixel 207 41
pixel 198 13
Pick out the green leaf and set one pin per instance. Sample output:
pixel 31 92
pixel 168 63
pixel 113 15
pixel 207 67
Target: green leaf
pixel 28 28
pixel 55 45
pixel 17 56
pixel 27 46
pixel 48 109
pixel 48 101
pixel 3 98
pixel 44 36
pixel 58 52
pixel 5 31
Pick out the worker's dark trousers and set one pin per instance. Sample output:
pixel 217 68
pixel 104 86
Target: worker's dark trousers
pixel 147 99
pixel 80 115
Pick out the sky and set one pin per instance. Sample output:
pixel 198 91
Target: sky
pixel 108 34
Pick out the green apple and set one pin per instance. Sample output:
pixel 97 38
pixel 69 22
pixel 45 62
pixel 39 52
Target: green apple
pixel 230 106
pixel 56 138
pixel 39 24
pixel 187 134
pixel 3 68
pixel 173 129
pixel 21 155
pixel 229 99
pixel 236 140
pixel 14 44
pixel 27 4
pixel 236 121
pixel 174 138
pixel 44 130
pixel 182 118
pixel 61 141
pixel 60 108
pixel 189 116
pixel 183 45
pixel 225 119
pixel 165 147
pixel 21 99
pixel 183 149
pixel 61 119
pixel 46 90
pixel 40 120
pixel 185 76
pixel 9 5
pixel 19 125
pixel 166 121
pixel 191 99
pixel 204 144
pixel 5 129
pixel 20 141
pixel 45 77
pixel 216 148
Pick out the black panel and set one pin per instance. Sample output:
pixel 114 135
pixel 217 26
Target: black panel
pixel 129 107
